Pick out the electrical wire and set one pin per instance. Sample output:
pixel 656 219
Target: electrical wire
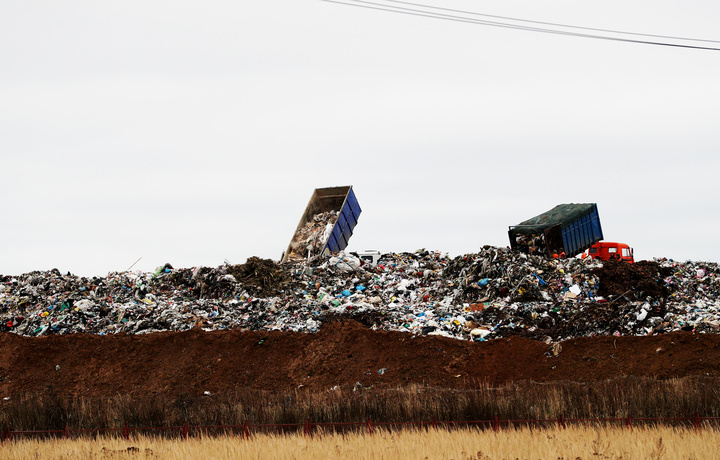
pixel 456 18
pixel 550 23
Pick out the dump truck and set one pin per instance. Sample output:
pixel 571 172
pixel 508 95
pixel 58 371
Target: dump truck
pixel 326 225
pixel 566 231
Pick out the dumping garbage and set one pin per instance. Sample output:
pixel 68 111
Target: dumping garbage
pixel 326 225
pixel 494 293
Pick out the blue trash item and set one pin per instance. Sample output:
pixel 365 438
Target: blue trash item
pixel 346 293
pixel 483 282
pixel 360 287
pixel 341 200
pixel 540 280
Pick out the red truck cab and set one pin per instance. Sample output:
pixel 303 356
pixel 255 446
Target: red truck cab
pixel 605 250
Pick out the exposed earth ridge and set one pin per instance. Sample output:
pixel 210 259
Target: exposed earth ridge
pixel 342 353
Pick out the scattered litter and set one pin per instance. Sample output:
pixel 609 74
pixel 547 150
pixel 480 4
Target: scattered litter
pixel 494 293
pixel 556 349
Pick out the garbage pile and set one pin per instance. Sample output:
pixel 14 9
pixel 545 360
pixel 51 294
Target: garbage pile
pixel 490 294
pixel 311 237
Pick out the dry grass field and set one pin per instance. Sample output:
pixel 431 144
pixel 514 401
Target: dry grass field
pixel 616 398
pixel 590 442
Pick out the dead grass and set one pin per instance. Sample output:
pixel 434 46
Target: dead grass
pixel 583 442
pixel 639 397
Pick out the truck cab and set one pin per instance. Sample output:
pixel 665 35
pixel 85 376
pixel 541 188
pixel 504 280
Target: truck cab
pixel 605 250
pixel 370 256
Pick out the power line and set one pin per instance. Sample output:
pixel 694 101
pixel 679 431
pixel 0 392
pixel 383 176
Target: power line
pixel 456 18
pixel 550 23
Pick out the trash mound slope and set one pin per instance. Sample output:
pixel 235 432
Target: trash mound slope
pixel 342 353
pixel 495 293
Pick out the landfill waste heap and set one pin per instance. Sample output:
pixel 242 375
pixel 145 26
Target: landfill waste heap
pixel 494 293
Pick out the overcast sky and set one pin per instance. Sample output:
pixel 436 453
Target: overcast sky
pixel 195 132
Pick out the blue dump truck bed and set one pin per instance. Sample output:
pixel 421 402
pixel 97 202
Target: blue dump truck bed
pixel 326 225
pixel 570 228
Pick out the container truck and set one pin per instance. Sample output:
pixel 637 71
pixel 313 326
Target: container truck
pixel 326 225
pixel 566 231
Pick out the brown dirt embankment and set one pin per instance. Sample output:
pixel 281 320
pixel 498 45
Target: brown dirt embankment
pixel 341 353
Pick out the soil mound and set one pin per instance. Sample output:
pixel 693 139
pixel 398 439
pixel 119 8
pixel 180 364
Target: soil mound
pixel 261 277
pixel 342 353
pixel 637 281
